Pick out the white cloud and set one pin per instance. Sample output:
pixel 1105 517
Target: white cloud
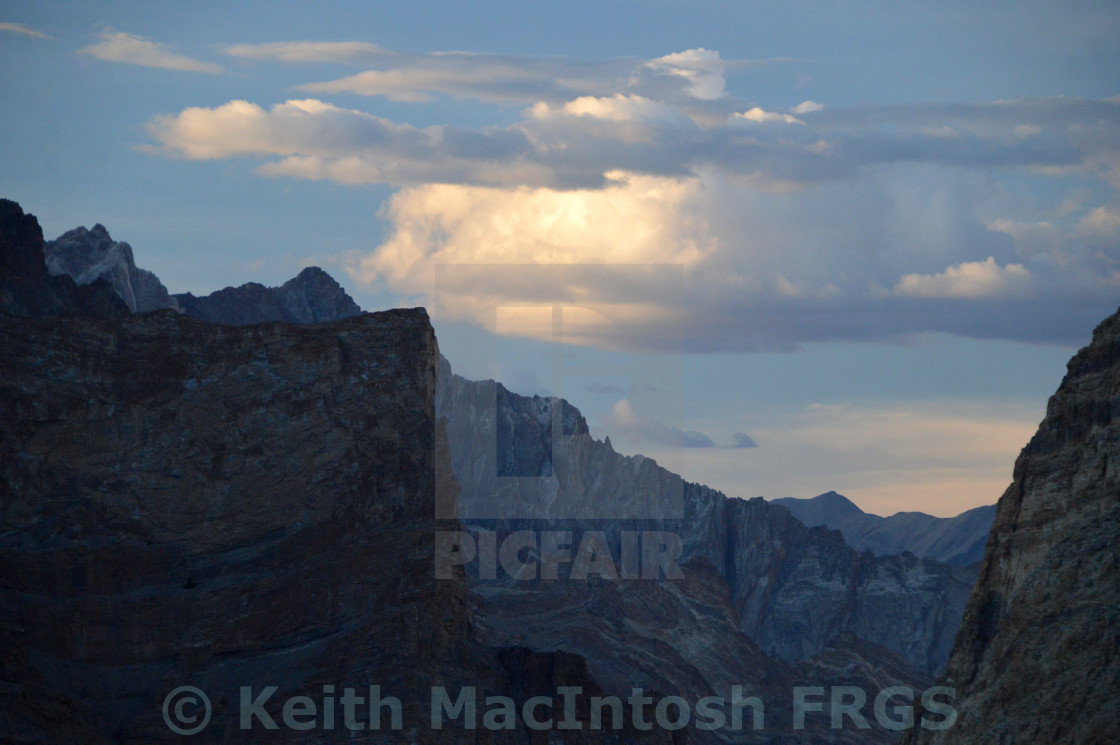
pixel 617 108
pixel 309 51
pixel 702 68
pixel 970 279
pixel 758 115
pixel 117 46
pixel 807 107
pixel 635 220
pixel 19 28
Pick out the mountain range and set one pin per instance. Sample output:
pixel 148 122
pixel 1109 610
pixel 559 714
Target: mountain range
pixel 953 540
pixel 189 502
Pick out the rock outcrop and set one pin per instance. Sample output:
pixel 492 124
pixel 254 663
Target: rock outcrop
pixel 312 296
pixel 1037 658
pixel 956 540
pixel 91 255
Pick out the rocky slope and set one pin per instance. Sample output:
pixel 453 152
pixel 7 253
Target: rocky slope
pixel 312 296
pixel 91 255
pixel 956 540
pixel 1037 658
pixel 794 590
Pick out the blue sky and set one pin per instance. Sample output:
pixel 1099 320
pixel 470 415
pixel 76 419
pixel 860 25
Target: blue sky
pixel 891 223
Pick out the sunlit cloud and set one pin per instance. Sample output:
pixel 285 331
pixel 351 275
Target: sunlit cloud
pixel 117 46
pixel 969 279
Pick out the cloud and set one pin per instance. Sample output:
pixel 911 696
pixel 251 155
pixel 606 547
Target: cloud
pixel 702 68
pixel 309 51
pixel 806 107
pixel 761 117
pixel 627 425
pixel 851 223
pixel 19 28
pixel 1101 224
pixel 575 143
pixel 969 279
pixel 117 46
pixel 693 78
pixel 626 422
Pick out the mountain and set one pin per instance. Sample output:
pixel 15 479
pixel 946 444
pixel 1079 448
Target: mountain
pixel 794 590
pixel 28 289
pixel 312 296
pixel 1037 658
pixel 90 255
pixel 953 540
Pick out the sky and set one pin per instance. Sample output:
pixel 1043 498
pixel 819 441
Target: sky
pixel 783 248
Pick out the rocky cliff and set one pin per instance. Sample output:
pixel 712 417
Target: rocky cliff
pixel 956 540
pixel 1037 658
pixel 91 255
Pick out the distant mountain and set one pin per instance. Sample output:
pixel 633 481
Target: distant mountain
pixel 90 255
pixel 312 296
pixel 796 591
pixel 956 540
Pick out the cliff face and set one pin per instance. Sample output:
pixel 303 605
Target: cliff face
pixel 1037 658
pixel 794 590
pixel 91 255
pixel 956 540
pixel 189 504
